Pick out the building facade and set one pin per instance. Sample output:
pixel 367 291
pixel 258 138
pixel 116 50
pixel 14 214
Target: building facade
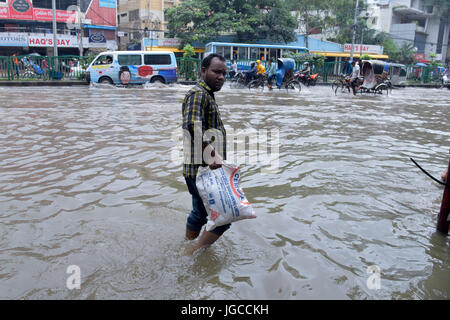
pixel 139 19
pixel 414 22
pixel 26 26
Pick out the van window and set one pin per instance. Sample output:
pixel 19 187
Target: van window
pixel 106 59
pixel 153 59
pixel 130 59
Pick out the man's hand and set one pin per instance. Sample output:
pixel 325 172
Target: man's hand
pixel 211 158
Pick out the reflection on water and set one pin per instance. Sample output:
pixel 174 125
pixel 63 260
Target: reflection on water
pixel 87 179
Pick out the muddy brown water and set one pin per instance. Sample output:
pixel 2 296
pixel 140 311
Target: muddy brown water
pixel 91 177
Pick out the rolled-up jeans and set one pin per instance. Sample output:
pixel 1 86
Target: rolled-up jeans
pixel 198 216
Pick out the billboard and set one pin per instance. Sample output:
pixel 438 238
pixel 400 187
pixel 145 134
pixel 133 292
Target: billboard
pixel 97 12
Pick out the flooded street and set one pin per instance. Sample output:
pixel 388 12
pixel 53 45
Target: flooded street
pixel 91 177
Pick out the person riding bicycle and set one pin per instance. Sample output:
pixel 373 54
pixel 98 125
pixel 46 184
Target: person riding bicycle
pixel 348 69
pixel 285 71
pixel 250 74
pixel 271 73
pixel 233 69
pixel 355 76
pixel 260 69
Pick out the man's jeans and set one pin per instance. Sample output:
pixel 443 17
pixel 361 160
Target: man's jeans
pixel 198 216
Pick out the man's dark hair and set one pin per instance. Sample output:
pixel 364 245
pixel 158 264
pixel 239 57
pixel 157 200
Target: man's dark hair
pixel 207 60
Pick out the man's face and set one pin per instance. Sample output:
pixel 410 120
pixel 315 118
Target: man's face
pixel 214 76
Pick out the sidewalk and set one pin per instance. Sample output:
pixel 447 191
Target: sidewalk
pixel 51 83
pixel 59 83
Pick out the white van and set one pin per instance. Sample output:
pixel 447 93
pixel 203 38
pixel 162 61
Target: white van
pixel 133 67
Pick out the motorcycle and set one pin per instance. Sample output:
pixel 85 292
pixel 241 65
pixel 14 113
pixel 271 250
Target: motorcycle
pixel 307 79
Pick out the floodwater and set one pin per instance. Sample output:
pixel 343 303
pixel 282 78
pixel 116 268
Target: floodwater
pixel 91 177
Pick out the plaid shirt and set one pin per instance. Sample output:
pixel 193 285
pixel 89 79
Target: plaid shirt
pixel 201 126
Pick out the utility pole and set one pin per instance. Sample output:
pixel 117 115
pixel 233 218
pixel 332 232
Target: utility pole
pixel 55 44
pixel 151 40
pixel 354 32
pixel 80 28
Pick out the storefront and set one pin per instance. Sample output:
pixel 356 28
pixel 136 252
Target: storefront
pixel 26 26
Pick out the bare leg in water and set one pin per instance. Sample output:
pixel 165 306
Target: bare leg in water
pixel 206 239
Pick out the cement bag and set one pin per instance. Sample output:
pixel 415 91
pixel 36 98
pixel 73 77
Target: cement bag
pixel 222 195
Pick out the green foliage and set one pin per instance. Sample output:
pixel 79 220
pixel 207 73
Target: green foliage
pixel 188 64
pixel 313 59
pixel 188 51
pixel 204 20
pixel 342 18
pixel 406 53
pixel 365 57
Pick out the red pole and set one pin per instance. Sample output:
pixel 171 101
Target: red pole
pixel 442 223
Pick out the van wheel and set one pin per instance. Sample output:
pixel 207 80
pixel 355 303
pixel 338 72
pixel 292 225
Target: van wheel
pixel 157 80
pixel 105 80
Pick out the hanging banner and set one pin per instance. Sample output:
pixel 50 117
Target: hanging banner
pixel 61 15
pixel 21 9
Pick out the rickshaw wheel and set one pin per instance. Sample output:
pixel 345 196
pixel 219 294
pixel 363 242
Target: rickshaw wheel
pixel 294 85
pixel 255 84
pixel 382 88
pixel 334 85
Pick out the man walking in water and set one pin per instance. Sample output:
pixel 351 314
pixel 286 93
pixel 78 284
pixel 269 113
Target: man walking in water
pixel 204 142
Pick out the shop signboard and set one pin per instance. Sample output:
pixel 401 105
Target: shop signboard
pixel 46 40
pixel 13 39
pixel 21 9
pixel 365 48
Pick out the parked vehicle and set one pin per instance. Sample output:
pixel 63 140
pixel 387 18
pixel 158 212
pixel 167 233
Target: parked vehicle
pixel 133 67
pixel 306 78
pixel 397 74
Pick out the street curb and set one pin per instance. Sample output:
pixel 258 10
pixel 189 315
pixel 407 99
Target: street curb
pixel 42 83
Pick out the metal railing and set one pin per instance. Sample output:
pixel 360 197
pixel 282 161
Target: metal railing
pixel 36 67
pixel 189 68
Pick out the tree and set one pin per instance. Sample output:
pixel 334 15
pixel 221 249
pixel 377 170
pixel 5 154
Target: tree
pixel 342 17
pixel 188 64
pixel 406 53
pixel 203 20
pixel 277 23
pixel 311 15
